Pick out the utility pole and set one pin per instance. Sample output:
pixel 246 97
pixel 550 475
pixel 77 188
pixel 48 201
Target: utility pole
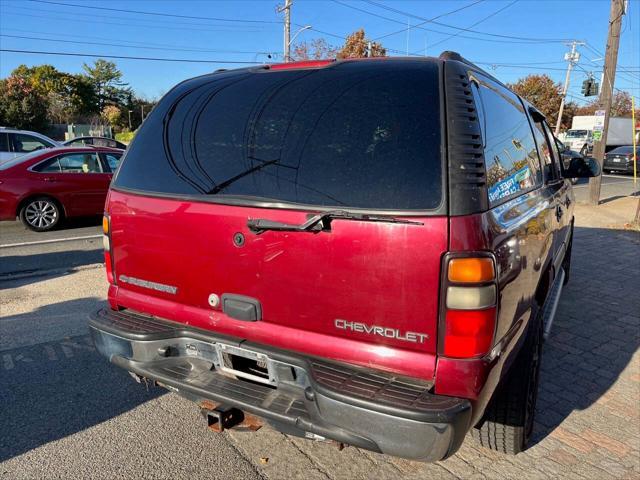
pixel 572 57
pixel 287 28
pixel 606 93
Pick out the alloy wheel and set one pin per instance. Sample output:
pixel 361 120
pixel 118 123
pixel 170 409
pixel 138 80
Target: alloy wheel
pixel 41 214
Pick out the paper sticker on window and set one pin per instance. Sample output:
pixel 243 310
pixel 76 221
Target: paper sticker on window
pixel 520 180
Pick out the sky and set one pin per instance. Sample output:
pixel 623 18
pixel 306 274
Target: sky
pixel 218 33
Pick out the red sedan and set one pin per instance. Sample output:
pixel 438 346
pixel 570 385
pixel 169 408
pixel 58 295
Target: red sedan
pixel 45 186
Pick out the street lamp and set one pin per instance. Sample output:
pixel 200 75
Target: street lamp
pixel 306 27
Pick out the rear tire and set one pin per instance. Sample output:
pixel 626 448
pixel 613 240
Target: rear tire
pixel 508 421
pixel 41 214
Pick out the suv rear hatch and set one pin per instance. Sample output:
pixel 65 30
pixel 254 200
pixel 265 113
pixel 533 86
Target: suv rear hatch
pixel 229 150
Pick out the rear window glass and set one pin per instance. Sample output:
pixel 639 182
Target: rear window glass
pixel 620 150
pixel 358 134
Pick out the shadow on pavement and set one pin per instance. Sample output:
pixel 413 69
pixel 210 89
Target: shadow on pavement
pixel 616 197
pixel 597 326
pixel 35 266
pixel 51 390
pixel 80 222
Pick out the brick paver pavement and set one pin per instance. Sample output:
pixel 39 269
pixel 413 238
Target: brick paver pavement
pixel 588 415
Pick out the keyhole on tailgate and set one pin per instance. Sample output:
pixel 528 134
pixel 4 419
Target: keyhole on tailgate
pixel 238 239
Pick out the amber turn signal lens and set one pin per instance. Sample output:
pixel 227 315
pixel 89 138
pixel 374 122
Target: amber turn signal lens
pixel 471 270
pixel 105 225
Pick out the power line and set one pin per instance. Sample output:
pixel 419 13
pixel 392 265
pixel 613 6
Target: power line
pixel 165 45
pixel 126 57
pixel 477 23
pixel 84 42
pixel 419 25
pixel 620 67
pixel 403 30
pixel 157 14
pixel 85 20
pixel 404 13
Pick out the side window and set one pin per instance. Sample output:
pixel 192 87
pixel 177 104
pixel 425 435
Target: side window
pixel 80 163
pixel 548 154
pixel 50 166
pixel 555 153
pixel 26 143
pixel 4 142
pixel 510 152
pixel 113 160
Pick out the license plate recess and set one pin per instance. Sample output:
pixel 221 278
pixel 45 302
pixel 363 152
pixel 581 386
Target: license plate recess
pixel 248 364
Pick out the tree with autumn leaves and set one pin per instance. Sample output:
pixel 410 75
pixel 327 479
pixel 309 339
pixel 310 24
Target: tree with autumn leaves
pixel 546 95
pixel 356 45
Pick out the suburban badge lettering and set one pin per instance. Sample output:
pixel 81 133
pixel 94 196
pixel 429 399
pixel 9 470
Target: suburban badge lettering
pixel 414 337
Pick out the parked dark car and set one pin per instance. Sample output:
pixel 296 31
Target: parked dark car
pixel 620 159
pixel 367 251
pixel 43 187
pixel 95 141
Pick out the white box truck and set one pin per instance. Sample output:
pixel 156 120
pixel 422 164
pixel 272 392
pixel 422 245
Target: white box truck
pixel 580 137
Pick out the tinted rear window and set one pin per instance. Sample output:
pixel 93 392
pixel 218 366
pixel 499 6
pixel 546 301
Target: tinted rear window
pixel 622 150
pixel 358 134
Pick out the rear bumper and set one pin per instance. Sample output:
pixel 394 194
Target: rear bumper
pixel 365 408
pixel 622 166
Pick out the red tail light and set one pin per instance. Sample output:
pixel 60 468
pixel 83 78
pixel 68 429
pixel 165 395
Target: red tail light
pixel 468 333
pixel 108 255
pixel 469 305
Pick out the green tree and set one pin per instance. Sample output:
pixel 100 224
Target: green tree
pixel 545 95
pixel 106 79
pixel 68 97
pixel 357 45
pixel 21 105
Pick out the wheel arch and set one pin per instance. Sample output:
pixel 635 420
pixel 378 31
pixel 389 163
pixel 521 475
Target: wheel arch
pixel 32 196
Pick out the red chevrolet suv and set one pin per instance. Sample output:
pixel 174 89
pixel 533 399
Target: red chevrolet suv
pixel 367 251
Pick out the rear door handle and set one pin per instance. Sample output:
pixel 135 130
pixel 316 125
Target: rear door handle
pixel 567 202
pixel 49 179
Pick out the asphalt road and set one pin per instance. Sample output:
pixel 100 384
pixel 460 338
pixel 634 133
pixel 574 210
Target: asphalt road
pixel 75 245
pixel 613 186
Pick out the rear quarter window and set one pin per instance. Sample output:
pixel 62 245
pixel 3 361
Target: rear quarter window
pixel 511 158
pixel 356 134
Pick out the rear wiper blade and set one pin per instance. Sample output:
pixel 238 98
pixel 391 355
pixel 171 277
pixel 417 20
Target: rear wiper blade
pixel 321 222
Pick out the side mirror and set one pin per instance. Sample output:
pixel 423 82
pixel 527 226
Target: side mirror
pixel 581 167
pixel 566 148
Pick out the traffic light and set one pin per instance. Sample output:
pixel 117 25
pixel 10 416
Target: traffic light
pixel 590 87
